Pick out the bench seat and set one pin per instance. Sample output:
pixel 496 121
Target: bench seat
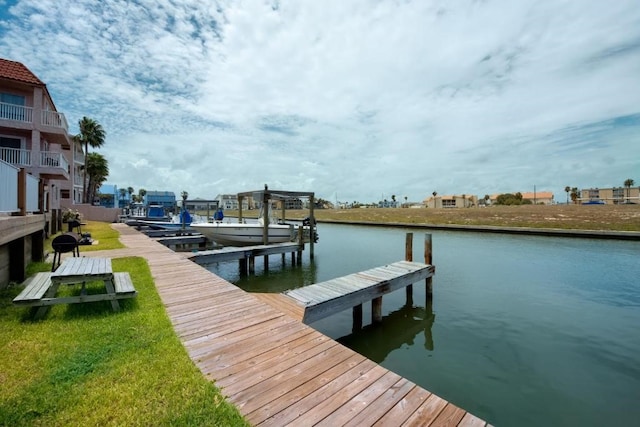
pixel 123 284
pixel 35 288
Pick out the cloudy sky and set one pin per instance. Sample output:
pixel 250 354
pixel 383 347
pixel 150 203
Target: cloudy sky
pixel 356 100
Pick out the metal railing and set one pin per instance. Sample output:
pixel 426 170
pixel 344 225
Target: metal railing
pixel 15 156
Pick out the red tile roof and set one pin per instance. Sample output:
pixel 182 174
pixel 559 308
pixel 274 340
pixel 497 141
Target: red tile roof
pixel 16 71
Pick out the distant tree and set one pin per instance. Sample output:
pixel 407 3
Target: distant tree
pixel 567 189
pixel 628 183
pixel 130 191
pixel 91 134
pixel 574 195
pixel 435 193
pixel 405 201
pixel 486 198
pixel 97 168
pixel 123 193
pixel 141 193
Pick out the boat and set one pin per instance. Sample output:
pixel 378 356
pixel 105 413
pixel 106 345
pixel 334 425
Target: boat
pixel 171 223
pixel 249 234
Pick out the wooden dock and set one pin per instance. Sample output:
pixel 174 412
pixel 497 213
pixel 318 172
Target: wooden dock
pixel 245 252
pixel 276 370
pixel 323 299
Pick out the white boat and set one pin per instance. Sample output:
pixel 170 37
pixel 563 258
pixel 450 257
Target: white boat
pixel 236 234
pixel 249 234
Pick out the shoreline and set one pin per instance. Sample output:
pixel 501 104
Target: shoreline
pixel 531 231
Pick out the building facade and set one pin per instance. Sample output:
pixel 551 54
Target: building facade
pixel 34 140
pixel 615 195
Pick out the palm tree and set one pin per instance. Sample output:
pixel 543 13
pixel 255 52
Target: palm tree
pixel 574 195
pixel 91 134
pixel 123 193
pixel 130 191
pixel 567 189
pixel 628 183
pixel 141 193
pixel 97 168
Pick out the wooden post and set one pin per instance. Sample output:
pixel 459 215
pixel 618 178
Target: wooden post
pixel 240 209
pixel 357 318
pixel 301 243
pixel 242 265
pixel 266 262
pixel 312 226
pixel 265 217
pixel 408 256
pixel 376 310
pixel 22 191
pixel 252 265
pixel 428 260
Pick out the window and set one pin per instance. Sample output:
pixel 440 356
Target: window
pixel 11 107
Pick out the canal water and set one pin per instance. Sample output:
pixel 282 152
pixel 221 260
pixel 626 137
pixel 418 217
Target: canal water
pixel 522 330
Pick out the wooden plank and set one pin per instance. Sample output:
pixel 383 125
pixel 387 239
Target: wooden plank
pixel 123 284
pixel 35 288
pixel 403 408
pixel 426 412
pixel 471 421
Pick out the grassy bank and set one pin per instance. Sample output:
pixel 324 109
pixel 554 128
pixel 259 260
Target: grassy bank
pixel 566 217
pixel 83 364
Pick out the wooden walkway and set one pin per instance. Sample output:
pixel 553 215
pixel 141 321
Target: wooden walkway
pixel 245 252
pixel 274 369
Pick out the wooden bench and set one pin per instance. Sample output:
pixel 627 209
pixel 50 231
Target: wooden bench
pixel 35 288
pixel 123 285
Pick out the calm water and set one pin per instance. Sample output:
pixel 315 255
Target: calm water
pixel 522 330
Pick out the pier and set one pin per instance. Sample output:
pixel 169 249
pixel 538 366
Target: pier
pixel 321 300
pixel 272 367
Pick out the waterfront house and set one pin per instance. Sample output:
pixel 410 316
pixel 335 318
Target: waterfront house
pixel 451 201
pixel 34 138
pixel 615 195
pixel 166 199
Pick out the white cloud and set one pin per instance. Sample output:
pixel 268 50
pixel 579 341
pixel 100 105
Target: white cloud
pixel 355 98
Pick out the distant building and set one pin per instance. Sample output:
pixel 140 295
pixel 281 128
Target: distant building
pixel 230 201
pixel 166 199
pixel 108 196
pixel 616 195
pixel 451 201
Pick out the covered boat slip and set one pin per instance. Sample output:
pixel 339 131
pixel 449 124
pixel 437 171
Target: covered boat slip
pixel 275 369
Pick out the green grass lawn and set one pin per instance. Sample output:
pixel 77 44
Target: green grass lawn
pixel 84 364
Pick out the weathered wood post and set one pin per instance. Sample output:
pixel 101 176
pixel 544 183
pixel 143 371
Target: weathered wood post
pixel 408 256
pixel 301 243
pixel 376 310
pixel 312 225
pixel 428 260
pixel 357 318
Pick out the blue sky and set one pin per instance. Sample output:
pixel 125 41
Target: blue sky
pixel 354 100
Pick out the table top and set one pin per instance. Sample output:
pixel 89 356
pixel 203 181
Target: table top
pixel 78 268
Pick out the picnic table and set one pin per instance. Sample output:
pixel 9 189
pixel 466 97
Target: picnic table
pixel 41 289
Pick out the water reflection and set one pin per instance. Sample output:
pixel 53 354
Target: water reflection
pixel 398 328
pixel 278 277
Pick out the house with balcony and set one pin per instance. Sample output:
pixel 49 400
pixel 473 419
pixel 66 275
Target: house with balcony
pixel 34 137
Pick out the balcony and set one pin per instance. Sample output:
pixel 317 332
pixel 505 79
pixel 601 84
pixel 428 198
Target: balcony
pixel 51 164
pixel 15 156
pixel 78 158
pixel 16 113
pixel 52 123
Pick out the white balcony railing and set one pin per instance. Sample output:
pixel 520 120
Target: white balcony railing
pixel 17 113
pixel 20 113
pixel 77 180
pixel 54 119
pixel 15 156
pixel 52 159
